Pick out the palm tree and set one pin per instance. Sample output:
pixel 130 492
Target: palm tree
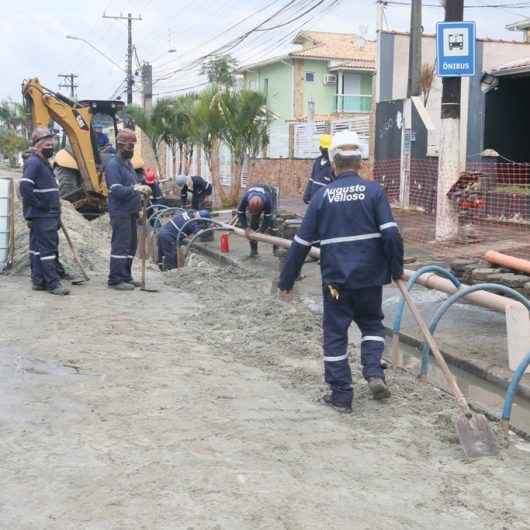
pixel 208 126
pixel 151 126
pixel 246 121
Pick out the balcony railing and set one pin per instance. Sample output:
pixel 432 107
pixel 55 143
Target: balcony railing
pixel 354 103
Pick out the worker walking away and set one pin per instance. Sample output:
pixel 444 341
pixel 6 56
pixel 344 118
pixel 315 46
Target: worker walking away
pixel 199 188
pixel 42 210
pixel 361 250
pixel 258 200
pixel 321 172
pixel 124 204
pixel 176 230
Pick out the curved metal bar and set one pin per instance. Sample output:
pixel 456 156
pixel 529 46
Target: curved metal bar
pixel 440 312
pixel 162 213
pixel 196 219
pixel 428 268
pixel 199 233
pixel 512 389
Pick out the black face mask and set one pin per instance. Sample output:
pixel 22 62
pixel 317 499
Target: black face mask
pixel 128 154
pixel 325 153
pixel 47 152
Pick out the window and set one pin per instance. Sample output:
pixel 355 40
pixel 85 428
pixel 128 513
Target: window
pixel 266 89
pixel 310 77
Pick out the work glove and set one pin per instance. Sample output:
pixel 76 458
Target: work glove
pixel 143 189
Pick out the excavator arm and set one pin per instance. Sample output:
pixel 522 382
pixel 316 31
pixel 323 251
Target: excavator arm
pixel 47 106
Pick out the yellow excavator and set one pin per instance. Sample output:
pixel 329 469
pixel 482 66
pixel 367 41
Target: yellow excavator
pixel 78 165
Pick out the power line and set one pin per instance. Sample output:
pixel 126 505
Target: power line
pixel 71 84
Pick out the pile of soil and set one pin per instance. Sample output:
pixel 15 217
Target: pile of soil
pixel 91 239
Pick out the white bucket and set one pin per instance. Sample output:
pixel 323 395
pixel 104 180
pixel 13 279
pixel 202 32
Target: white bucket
pixel 5 217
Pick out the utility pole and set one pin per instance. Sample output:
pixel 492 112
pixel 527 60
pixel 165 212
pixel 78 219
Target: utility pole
pixel 69 82
pixel 130 81
pixel 147 83
pixel 416 29
pixel 449 156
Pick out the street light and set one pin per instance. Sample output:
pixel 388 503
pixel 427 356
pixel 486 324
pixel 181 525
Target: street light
pixel 72 37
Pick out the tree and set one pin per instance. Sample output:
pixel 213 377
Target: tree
pixel 245 129
pixel 13 117
pixel 150 126
pixel 426 80
pixel 11 145
pixel 208 127
pixel 220 71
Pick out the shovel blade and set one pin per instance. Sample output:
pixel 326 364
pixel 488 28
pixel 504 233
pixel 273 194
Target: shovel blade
pixel 476 436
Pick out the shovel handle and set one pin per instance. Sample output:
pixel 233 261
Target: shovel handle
pixel 142 241
pixel 74 253
pixel 442 364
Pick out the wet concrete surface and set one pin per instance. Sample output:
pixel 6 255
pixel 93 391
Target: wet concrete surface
pixel 472 338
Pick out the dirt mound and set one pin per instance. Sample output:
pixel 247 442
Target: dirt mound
pixel 90 238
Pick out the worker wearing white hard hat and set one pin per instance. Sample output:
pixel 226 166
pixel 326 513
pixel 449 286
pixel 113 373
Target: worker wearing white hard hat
pixel 361 250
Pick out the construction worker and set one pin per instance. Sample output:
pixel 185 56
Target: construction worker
pixel 259 199
pixel 199 188
pixel 361 250
pixel 124 204
pixel 321 173
pixel 42 210
pixel 176 230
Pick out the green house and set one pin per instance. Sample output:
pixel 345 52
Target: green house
pixel 329 76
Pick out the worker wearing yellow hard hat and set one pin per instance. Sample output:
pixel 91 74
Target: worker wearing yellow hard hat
pixel 321 172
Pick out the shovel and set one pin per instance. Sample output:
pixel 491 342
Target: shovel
pixel 473 430
pixel 74 254
pixel 143 249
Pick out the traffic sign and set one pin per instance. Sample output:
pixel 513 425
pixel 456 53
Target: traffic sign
pixel 455 49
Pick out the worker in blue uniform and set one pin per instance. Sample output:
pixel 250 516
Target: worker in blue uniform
pixel 199 188
pixel 361 250
pixel 176 230
pixel 124 203
pixel 257 201
pixel 42 210
pixel 321 172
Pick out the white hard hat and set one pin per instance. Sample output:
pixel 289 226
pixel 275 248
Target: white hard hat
pixel 345 144
pixel 180 180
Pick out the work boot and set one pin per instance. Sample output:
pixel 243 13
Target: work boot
pixel 60 291
pixel 343 407
pixel 122 287
pixel 134 283
pixel 378 388
pixel 253 253
pixel 36 287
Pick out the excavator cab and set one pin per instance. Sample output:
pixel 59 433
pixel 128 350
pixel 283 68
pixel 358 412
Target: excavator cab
pixel 90 128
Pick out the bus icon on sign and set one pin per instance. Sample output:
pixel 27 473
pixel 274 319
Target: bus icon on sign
pixel 456 41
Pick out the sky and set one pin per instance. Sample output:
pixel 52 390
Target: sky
pixel 33 37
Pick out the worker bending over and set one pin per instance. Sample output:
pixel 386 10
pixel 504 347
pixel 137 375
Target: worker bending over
pixel 199 188
pixel 42 210
pixel 124 204
pixel 321 172
pixel 361 250
pixel 176 230
pixel 258 200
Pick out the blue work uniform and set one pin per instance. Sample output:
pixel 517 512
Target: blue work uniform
pixel 124 205
pixel 321 176
pixel 361 250
pixel 268 196
pixel 199 191
pixel 175 230
pixel 41 205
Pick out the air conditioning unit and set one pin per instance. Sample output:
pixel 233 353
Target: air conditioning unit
pixel 330 79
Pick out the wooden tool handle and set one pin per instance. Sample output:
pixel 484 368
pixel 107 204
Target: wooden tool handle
pixel 142 241
pixel 74 253
pixel 450 378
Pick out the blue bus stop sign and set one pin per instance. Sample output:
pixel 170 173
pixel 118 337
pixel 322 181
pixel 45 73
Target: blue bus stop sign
pixel 455 49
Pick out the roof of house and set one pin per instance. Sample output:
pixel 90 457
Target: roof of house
pixel 518 67
pixel 521 25
pixel 345 50
pixel 345 46
pixel 433 36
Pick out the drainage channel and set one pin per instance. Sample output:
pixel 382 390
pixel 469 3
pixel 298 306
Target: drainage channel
pixel 485 395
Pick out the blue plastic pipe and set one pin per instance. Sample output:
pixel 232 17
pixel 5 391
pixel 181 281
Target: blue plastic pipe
pixel 440 312
pixel 512 389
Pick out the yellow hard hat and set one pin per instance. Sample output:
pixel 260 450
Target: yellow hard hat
pixel 325 141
